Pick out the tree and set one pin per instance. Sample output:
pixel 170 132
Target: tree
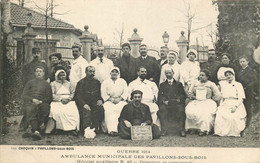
pixel 190 15
pixel 237 27
pixel 119 36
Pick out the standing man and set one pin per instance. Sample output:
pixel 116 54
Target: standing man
pixel 150 92
pixel 37 96
pixel 78 66
pixel 149 63
pixel 93 52
pixel 171 100
pixel 163 60
pixel 212 65
pixel 136 114
pixel 102 65
pixel 127 64
pixel 89 102
pixel 28 70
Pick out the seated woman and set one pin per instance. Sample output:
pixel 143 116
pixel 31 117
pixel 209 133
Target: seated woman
pixel 200 112
pixel 114 92
pixel 231 114
pixel 64 114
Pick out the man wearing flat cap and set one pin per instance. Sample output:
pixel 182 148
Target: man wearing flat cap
pixel 126 64
pixel 28 70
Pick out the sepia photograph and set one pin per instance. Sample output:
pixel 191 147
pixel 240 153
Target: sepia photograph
pixel 130 81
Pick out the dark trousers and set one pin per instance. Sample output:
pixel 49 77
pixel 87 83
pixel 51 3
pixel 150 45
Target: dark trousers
pixel 164 115
pixel 125 132
pixel 91 118
pixel 250 96
pixel 35 115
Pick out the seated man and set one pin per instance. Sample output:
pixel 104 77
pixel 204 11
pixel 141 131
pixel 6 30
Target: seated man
pixel 135 114
pixel 89 102
pixel 150 92
pixel 171 99
pixel 37 96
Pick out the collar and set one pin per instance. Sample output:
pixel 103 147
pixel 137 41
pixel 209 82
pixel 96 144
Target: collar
pixel 76 60
pixel 244 68
pixel 140 81
pixel 171 80
pixel 144 57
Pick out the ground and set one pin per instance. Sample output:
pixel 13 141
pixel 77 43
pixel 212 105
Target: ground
pixel 250 139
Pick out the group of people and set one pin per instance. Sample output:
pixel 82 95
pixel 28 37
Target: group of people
pixel 111 97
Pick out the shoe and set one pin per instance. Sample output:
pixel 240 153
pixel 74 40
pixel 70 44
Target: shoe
pixel 202 133
pixel 182 134
pixel 27 135
pixel 36 136
pixel 163 133
pixel 113 133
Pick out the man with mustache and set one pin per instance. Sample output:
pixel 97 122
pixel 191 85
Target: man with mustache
pixel 89 102
pixel 151 64
pixel 102 65
pixel 78 66
pixel 37 96
pixel 150 92
pixel 136 114
pixel 212 65
pixel 28 70
pixel 28 73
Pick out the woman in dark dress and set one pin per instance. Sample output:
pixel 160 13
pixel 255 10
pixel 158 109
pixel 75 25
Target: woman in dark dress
pixel 57 64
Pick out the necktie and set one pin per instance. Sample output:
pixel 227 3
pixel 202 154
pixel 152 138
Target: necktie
pixel 170 82
pixel 101 60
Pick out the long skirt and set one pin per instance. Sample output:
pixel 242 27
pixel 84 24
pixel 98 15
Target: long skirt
pixel 112 113
pixel 200 115
pixel 66 116
pixel 228 123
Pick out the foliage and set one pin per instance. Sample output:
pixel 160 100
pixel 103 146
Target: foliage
pixel 237 27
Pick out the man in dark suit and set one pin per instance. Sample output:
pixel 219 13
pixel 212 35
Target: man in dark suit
pixel 89 101
pixel 126 64
pixel 150 63
pixel 163 60
pixel 171 100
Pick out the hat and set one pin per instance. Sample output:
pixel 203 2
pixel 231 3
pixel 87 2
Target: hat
pixel 173 53
pixel 192 51
pixel 34 50
pixel 115 68
pixel 58 55
pixel 126 44
pixel 230 70
pixel 58 72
